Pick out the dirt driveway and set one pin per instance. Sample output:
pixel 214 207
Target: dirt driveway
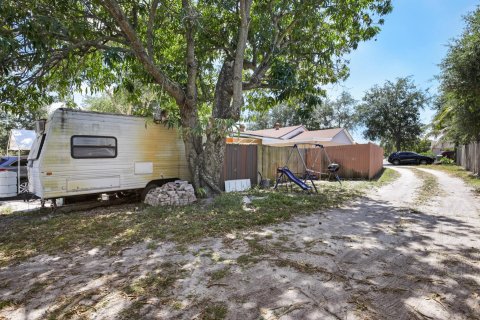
pixel 398 253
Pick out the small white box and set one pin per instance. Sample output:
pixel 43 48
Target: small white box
pixel 237 185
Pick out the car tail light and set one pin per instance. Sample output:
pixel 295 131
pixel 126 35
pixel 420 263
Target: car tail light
pixel 3 170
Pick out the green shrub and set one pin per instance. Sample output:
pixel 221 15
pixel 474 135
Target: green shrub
pixel 447 161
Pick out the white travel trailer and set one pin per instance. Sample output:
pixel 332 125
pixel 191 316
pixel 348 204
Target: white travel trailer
pixel 77 153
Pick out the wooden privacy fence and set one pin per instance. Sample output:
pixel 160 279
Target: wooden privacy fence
pixel 468 156
pixel 240 163
pixel 358 161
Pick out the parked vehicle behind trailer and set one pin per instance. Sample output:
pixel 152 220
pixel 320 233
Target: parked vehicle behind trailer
pixel 404 157
pixel 78 153
pixel 10 163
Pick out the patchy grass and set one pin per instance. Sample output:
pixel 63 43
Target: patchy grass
pixel 384 177
pixel 429 187
pixel 219 274
pixel 216 311
pixel 154 284
pixel 4 210
pixel 6 304
pixel 460 172
pixel 157 284
pixel 387 176
pixel 27 234
pixel 246 259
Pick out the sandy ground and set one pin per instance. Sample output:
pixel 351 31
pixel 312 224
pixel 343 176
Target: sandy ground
pixel 384 256
pixel 17 204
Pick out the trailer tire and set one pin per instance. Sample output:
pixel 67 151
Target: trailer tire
pixel 149 187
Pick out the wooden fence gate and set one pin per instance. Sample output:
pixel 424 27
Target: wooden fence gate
pixel 240 163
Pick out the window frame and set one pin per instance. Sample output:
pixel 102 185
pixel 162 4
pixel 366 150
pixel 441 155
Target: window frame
pixel 39 148
pixel 72 146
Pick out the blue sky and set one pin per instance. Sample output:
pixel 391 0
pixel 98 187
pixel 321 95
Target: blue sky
pixel 412 42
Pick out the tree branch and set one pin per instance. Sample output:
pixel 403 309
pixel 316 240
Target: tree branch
pixel 170 86
pixel 151 23
pixel 189 22
pixel 237 97
pixel 189 112
pixel 259 73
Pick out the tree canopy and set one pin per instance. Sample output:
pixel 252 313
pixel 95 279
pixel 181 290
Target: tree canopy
pixel 335 113
pixel 391 113
pixel 458 104
pixel 200 53
pixel 319 113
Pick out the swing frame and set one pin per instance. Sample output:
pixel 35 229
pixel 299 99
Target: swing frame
pixel 282 177
pixel 308 172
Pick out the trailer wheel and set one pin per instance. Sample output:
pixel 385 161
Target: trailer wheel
pixel 149 187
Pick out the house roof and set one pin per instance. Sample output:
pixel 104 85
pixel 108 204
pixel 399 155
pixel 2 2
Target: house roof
pixel 273 133
pixel 319 134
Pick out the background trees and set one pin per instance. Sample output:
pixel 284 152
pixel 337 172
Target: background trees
pixel 391 113
pixel 320 113
pixel 337 113
pixel 458 104
pixel 201 54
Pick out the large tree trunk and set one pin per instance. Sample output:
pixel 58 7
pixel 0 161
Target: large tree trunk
pixel 398 144
pixel 206 159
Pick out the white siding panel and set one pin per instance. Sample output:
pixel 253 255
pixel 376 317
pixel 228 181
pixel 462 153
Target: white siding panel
pixel 93 183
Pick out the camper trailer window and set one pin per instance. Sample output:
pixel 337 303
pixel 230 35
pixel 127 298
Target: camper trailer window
pixel 84 147
pixel 36 148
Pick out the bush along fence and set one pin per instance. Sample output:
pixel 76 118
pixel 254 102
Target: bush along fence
pixel 359 161
pixel 468 156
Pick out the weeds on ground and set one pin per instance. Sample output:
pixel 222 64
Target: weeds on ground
pixel 216 311
pixel 460 172
pixel 157 285
pixel 5 210
pixel 27 234
pixel 384 177
pixel 219 274
pixel 387 176
pixel 429 187
pixel 6 303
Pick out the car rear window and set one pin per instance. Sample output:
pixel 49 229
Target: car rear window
pixel 3 160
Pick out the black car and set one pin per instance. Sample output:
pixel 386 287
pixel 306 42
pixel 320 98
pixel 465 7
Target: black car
pixel 404 157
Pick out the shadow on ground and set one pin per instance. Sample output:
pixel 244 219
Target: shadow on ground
pixel 370 260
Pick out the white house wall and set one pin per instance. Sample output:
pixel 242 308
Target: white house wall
pixel 341 138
